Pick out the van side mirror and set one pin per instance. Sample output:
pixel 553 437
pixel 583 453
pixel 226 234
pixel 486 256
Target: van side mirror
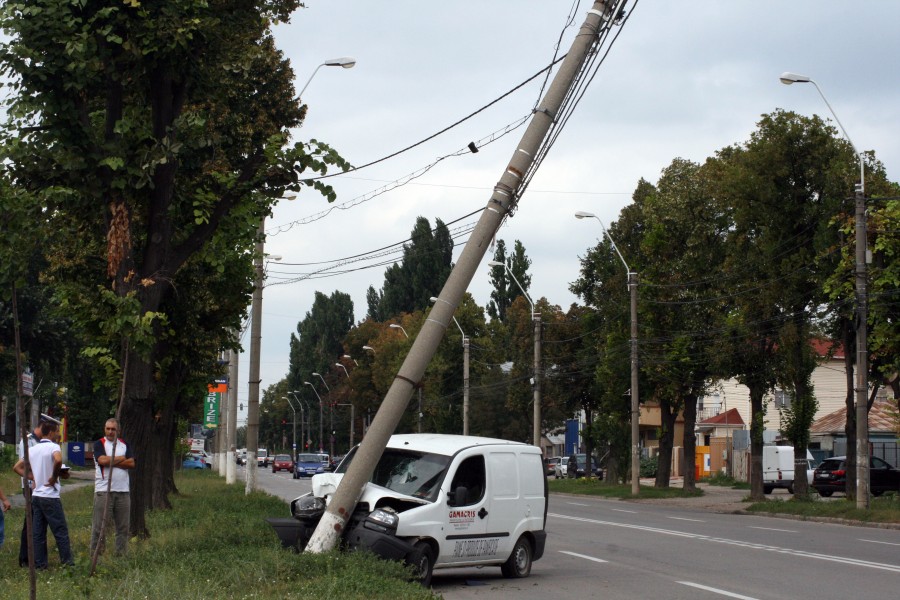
pixel 458 496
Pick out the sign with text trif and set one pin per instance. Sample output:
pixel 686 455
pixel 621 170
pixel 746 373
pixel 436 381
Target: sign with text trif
pixel 211 406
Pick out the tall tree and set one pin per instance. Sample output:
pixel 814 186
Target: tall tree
pixel 505 288
pixel 784 187
pixel 426 264
pixel 146 129
pixel 318 343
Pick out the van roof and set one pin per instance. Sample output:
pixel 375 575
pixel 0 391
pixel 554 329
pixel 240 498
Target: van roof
pixel 446 444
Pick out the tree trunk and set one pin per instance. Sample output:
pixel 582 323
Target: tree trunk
pixel 667 415
pixel 690 444
pixel 756 443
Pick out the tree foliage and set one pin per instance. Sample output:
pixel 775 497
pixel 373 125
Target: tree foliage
pixel 150 132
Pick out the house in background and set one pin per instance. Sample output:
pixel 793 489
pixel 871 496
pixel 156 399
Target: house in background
pixel 829 386
pixel 828 438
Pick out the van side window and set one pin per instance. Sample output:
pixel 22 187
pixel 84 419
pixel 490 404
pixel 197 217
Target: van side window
pixel 469 475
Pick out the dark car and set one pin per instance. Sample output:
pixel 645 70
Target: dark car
pixel 582 464
pixel 831 476
pixel 282 462
pixel 308 465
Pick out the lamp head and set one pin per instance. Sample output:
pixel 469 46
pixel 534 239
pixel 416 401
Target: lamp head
pixel 433 299
pixel 345 61
pixel 584 215
pixel 306 383
pixel 368 348
pixel 316 374
pixel 494 263
pixel 787 78
pixel 394 326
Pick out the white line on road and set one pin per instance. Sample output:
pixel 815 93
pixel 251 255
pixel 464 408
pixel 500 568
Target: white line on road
pixel 877 542
pixel 772 529
pixel 634 512
pixel 656 530
pixel 684 519
pixel 578 504
pixel 584 556
pixel 716 590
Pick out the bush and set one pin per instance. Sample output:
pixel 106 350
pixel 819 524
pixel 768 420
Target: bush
pixel 649 467
pixel 7 456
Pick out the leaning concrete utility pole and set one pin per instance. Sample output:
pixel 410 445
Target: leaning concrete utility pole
pixel 506 193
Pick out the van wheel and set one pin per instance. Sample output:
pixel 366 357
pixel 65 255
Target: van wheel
pixel 791 489
pixel 422 561
pixel 767 489
pixel 519 562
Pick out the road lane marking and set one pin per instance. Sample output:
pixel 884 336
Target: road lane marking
pixel 584 556
pixel 716 590
pixel 877 542
pixel 772 529
pixel 684 519
pixel 802 553
pixel 578 504
pixel 634 512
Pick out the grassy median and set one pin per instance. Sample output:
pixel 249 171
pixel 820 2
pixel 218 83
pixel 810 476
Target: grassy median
pixel 214 543
pixel 593 487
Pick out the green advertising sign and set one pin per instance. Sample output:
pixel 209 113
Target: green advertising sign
pixel 211 410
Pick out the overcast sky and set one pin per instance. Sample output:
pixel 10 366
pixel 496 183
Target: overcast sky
pixel 683 79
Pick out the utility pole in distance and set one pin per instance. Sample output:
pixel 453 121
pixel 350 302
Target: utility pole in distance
pixel 333 522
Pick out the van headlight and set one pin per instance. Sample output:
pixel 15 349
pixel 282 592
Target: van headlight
pixel 382 520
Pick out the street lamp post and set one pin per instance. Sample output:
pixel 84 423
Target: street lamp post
pixel 330 416
pixel 253 378
pixel 635 399
pixel 321 448
pixel 862 366
pixel 296 394
pixel 465 343
pixel 536 384
pixel 294 452
pixel 352 408
pixel 345 62
pixel 419 385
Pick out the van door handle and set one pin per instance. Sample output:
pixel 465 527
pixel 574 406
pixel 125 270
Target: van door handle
pixel 482 513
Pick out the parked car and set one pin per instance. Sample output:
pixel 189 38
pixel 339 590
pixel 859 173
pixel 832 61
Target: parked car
pixel 308 465
pixel 562 467
pixel 204 455
pixel 192 461
pixel 552 464
pixel 282 462
pixel 831 476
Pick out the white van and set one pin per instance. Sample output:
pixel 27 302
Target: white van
pixel 778 468
pixel 438 501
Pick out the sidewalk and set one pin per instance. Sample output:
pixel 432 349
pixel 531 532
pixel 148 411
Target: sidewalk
pixel 77 479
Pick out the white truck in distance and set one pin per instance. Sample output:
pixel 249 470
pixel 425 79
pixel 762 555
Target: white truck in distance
pixel 778 468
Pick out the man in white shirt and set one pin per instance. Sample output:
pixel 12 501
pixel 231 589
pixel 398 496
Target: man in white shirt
pixel 33 438
pixel 112 479
pixel 45 459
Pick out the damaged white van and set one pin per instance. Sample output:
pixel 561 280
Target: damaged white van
pixel 439 501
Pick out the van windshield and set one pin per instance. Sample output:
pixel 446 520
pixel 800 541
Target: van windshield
pixel 416 474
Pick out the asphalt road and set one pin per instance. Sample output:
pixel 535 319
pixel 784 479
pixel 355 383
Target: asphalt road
pixel 600 548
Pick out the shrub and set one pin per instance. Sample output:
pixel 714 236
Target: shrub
pixel 649 467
